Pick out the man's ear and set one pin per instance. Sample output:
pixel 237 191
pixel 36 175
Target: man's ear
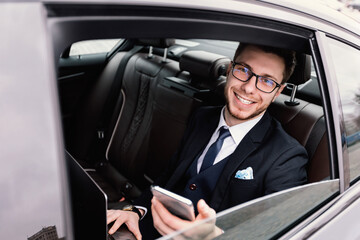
pixel 281 88
pixel 229 69
pixel 279 91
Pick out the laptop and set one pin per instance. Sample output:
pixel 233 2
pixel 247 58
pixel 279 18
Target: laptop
pixel 89 206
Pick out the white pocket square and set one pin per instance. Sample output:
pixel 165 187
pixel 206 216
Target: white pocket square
pixel 246 174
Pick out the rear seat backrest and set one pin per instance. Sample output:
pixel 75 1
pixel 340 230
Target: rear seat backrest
pixel 305 122
pixel 298 121
pixel 128 146
pixel 86 119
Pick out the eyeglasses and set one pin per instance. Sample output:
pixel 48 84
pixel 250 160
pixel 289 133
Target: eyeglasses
pixel 244 74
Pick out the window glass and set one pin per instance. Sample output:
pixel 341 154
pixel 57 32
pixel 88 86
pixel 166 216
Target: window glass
pixel 93 46
pixel 221 47
pixel 275 213
pixel 347 62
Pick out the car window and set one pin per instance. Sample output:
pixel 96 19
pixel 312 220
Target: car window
pixel 275 213
pixel 93 46
pixel 222 47
pixel 347 62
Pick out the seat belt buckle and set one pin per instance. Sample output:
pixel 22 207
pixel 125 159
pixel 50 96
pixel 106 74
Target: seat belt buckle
pixel 101 134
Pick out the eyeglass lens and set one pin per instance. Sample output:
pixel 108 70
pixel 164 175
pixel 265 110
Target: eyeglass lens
pixel 244 74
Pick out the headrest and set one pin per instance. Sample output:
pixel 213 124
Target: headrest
pixel 302 71
pixel 156 42
pixel 204 65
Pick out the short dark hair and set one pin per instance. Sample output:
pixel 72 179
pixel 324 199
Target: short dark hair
pixel 287 55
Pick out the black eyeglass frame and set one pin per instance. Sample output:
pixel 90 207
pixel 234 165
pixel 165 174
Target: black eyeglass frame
pixel 251 75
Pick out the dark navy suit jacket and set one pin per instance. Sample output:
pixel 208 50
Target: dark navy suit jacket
pixel 278 161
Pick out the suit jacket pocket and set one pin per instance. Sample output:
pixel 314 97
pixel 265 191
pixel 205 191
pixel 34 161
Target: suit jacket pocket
pixel 239 183
pixel 240 191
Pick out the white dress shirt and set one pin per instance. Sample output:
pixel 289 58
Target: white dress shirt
pixel 237 133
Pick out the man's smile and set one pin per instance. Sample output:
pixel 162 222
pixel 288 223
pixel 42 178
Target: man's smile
pixel 244 101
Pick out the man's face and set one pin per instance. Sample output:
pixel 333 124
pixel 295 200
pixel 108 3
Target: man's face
pixel 244 100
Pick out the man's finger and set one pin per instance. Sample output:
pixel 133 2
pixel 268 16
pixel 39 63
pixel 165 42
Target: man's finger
pixel 204 210
pixel 112 215
pixel 171 220
pixel 133 226
pixel 160 221
pixel 117 224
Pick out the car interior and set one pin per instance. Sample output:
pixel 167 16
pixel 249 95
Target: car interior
pixel 124 112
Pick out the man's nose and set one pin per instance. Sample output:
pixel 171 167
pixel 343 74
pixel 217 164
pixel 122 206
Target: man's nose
pixel 249 86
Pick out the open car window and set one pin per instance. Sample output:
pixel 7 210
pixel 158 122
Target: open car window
pixel 276 213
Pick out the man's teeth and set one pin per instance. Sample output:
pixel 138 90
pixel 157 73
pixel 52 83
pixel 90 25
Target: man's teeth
pixel 243 100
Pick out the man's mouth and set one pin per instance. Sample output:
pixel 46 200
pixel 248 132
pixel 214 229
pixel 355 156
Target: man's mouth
pixel 243 100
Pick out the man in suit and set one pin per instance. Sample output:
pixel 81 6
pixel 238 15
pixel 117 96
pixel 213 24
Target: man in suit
pixel 232 154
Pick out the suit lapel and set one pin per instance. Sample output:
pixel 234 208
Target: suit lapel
pixel 249 144
pixel 195 144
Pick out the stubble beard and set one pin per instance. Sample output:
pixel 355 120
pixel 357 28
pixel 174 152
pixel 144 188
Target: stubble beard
pixel 244 119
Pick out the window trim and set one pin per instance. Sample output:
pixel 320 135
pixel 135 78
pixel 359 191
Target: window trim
pixel 335 108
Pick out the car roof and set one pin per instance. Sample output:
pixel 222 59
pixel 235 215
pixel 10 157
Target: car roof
pixel 306 13
pixel 324 10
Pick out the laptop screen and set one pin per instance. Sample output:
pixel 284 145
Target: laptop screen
pixel 89 203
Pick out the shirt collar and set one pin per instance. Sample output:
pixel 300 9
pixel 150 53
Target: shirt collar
pixel 238 131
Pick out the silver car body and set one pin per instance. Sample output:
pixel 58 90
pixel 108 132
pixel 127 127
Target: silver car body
pixel 33 176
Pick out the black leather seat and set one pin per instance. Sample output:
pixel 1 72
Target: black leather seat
pixel 130 121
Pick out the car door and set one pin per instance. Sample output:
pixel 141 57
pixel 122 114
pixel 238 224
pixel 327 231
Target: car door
pixel 280 212
pixel 343 58
pixel 34 197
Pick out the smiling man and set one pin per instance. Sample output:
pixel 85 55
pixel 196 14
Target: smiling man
pixel 248 95
pixel 231 154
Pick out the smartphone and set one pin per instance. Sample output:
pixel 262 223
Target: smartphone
pixel 176 204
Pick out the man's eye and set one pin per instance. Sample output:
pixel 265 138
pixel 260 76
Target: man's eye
pixel 243 69
pixel 268 82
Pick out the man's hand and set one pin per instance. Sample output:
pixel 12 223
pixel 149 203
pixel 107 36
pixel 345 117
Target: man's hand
pixel 166 223
pixel 120 217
